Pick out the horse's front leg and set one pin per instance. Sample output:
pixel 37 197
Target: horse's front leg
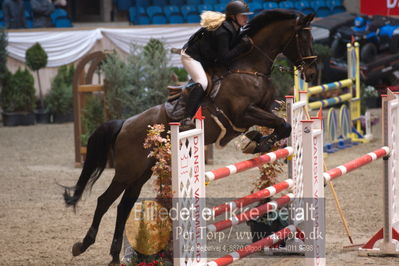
pixel 261 117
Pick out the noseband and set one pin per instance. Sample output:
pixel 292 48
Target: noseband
pixel 302 59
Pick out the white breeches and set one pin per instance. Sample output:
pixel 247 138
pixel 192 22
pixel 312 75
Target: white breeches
pixel 194 69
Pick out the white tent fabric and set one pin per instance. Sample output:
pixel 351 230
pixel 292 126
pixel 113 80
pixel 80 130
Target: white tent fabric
pixel 65 47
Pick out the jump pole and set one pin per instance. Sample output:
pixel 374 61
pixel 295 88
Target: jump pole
pixel 188 162
pixel 353 96
pixel 389 233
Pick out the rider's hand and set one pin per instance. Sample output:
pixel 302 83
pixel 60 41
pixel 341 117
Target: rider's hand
pixel 247 41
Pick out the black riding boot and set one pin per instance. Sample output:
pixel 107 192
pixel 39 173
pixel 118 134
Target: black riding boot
pixel 195 97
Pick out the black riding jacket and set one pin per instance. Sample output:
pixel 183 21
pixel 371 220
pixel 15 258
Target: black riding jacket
pixel 219 47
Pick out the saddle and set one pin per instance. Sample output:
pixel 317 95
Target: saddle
pixel 177 97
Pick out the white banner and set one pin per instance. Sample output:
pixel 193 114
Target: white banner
pixel 65 47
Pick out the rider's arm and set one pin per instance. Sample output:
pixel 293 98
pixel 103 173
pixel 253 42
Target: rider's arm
pixel 224 53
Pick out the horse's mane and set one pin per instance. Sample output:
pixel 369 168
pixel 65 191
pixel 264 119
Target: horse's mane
pixel 267 17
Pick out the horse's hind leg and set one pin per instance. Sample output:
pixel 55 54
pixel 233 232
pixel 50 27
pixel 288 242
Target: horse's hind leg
pixel 125 206
pixel 103 203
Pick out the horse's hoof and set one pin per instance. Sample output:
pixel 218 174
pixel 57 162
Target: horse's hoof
pixel 253 135
pixel 250 148
pixel 263 147
pixel 114 263
pixel 77 249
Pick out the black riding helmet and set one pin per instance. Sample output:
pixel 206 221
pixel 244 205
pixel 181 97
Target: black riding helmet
pixel 237 7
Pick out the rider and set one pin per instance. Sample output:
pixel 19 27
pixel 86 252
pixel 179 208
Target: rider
pixel 360 24
pixel 217 42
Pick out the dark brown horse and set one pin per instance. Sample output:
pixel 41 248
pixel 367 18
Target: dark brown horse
pixel 244 99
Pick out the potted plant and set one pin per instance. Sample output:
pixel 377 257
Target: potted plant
pixel 36 58
pixel 18 99
pixel 59 100
pixel 3 55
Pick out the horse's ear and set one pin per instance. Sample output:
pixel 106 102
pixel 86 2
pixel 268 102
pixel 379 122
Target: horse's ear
pixel 304 21
pixel 311 17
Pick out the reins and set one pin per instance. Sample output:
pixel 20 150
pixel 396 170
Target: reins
pixel 300 64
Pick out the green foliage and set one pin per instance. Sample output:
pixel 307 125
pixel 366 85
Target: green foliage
pixel 157 73
pixel 64 76
pixel 323 52
pixel 118 84
pixel 282 81
pixel 18 93
pixel 137 83
pixel 36 57
pixel 3 56
pixel 153 49
pixel 93 116
pixel 181 73
pixel 60 99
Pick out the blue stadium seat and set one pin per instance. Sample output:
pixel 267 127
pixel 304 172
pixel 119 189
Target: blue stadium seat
pixel 219 7
pixel 193 18
pixel 336 6
pixel 153 10
pixel 2 24
pixel 132 15
pixel 190 14
pixel 60 18
pixel 29 19
pixel 176 19
pixel 159 19
pixel 321 7
pixel 170 10
pixel 286 5
pixel 335 2
pixel 225 2
pixel 185 10
pixel 143 3
pixel 141 17
pixel 156 15
pixel 173 14
pixel 257 1
pixel 143 20
pixel 304 6
pixel 270 5
pixel 124 4
pixel 202 8
pixel 211 2
pixel 27 5
pixel 159 2
pixel 176 2
pixel 338 9
pixel 193 2
pixel 255 7
pixel 63 22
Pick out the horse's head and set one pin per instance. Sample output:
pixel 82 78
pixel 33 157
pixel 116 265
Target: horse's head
pixel 299 49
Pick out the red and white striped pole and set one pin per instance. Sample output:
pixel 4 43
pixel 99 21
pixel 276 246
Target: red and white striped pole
pixel 257 196
pixel 251 214
pixel 245 165
pixel 254 247
pixel 352 165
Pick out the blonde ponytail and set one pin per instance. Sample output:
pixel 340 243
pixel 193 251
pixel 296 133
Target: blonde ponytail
pixel 212 20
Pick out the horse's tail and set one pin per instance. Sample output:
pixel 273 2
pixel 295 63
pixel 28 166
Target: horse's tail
pixel 98 148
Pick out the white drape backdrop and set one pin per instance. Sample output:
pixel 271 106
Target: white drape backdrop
pixel 65 47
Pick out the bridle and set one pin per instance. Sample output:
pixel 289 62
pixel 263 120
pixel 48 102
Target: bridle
pixel 301 63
